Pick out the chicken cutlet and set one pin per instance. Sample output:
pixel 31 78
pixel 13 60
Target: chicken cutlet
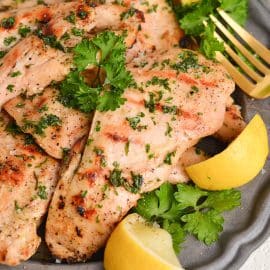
pixel 173 106
pixel 39 59
pixel 62 126
pixel 27 180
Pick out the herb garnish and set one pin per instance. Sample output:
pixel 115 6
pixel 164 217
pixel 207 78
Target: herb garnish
pixel 192 20
pixel 118 180
pixel 106 52
pixel 42 193
pixel 186 209
pixel 2 54
pixel 7 23
pixel 50 40
pixel 24 30
pixel 168 158
pixel 134 122
pixel 43 123
pixel 9 40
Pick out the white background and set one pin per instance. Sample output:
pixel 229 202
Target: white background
pixel 259 259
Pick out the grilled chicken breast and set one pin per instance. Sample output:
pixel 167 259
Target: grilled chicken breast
pixel 29 67
pixel 132 151
pixel 57 138
pixel 27 180
pixel 180 97
pixel 20 70
pixel 11 4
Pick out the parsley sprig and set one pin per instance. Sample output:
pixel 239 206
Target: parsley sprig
pixel 186 209
pixel 192 18
pixel 106 52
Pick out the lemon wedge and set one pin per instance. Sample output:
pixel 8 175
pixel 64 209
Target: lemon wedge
pixel 238 164
pixel 135 245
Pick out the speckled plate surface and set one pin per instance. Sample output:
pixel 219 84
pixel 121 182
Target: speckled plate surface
pixel 245 228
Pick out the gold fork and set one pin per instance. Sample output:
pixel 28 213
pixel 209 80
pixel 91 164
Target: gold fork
pixel 254 83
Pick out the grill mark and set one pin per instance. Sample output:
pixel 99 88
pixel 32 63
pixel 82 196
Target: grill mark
pixel 116 138
pixel 140 15
pixel 91 175
pixel 45 16
pixel 61 203
pixel 12 171
pixel 78 231
pixel 188 115
pixel 169 74
pixel 89 213
pixel 207 83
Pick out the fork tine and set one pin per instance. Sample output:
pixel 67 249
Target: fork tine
pixel 237 76
pixel 254 75
pixel 258 47
pixel 260 66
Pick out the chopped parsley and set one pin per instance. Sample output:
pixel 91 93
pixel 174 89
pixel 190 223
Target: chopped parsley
pixel 13 129
pixel 194 90
pixel 10 87
pixel 127 14
pixel 160 82
pixel 15 74
pixel 170 109
pixel 17 207
pixel 24 30
pixel 169 130
pixel 42 193
pixel 43 123
pixel 82 14
pixel 43 108
pixel 98 126
pixel 188 59
pixel 50 40
pixel 77 32
pixel 152 9
pixel 65 155
pixel 118 180
pixel 8 23
pixel 134 122
pixel 151 103
pixel 84 193
pixel 127 147
pixel 2 54
pixel 9 40
pixel 71 18
pixel 168 158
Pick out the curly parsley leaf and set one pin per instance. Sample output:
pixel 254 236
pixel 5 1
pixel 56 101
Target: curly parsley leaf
pixel 85 54
pixel 110 99
pixel 106 52
pixel 186 208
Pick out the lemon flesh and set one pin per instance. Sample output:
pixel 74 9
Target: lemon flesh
pixel 188 2
pixel 135 245
pixel 238 164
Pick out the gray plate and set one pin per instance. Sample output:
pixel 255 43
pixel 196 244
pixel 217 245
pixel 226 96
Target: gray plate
pixel 245 228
